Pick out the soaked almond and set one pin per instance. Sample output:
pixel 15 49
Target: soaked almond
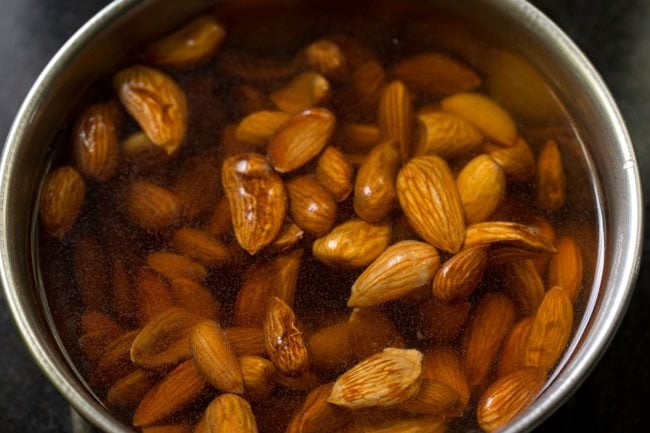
pixel 230 413
pixel 525 284
pixel 129 390
pixel 312 208
pixel 95 141
pixel 62 196
pixel 200 246
pixel 551 180
pixel 259 377
pixel 152 296
pixel 444 366
pixel 359 137
pixel 517 162
pixel 565 269
pixel 395 117
pixel 481 186
pixel 335 173
pixel 514 347
pixel 307 90
pixel 374 190
pixel 285 343
pixel 172 266
pixel 91 273
pixel 257 128
pixel 446 135
pixel 442 322
pixel 460 275
pixel 151 206
pixel 317 415
pixel 363 91
pixel 330 348
pixel 194 297
pixel 327 58
pixel 371 331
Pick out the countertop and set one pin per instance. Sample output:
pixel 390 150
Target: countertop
pixel 615 35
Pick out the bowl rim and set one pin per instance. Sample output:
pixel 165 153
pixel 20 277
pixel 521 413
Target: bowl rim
pixel 629 258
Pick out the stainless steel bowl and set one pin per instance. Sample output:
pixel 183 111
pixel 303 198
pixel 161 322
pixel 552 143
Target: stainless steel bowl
pixel 96 48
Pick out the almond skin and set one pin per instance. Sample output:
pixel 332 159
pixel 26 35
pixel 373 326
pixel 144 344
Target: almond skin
pixel 171 266
pixel 460 275
pixel 285 343
pixel 443 365
pixel 403 268
pixel 129 390
pixel 446 135
pixel 61 199
pixel 259 377
pixel 429 198
pixel 442 322
pixel 330 348
pixel 151 206
pixel 395 117
pixel 300 139
pixel 382 380
pixel 374 189
pixel 200 246
pixel 565 269
pixel 551 181
pixel 327 58
pixel 312 208
pixel 514 347
pixel 215 358
pixel 95 142
pixel 194 297
pixel 305 91
pixel 518 161
pixel 482 187
pixel 353 244
pixel 525 284
pixel 434 398
pixel 257 199
pixel 257 128
pixel 335 173
pixel 370 331
pixel 317 415
pixel 506 398
pixel 230 413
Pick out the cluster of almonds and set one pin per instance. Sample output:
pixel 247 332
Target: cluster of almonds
pixel 423 236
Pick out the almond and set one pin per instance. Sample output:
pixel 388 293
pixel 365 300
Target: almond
pixel 95 143
pixel 257 128
pixel 201 425
pixel 152 296
pixel 123 294
pixel 330 348
pixel 198 184
pixel 442 322
pixel 446 135
pixel 436 74
pixel 257 198
pixel 525 284
pixel 395 117
pixel 300 139
pixel 460 275
pixel 374 189
pixel 194 297
pixel 115 361
pixel 285 343
pixel 259 377
pixel 429 198
pixel 482 186
pixel 151 206
pixel 443 365
pixel 193 43
pixel 370 331
pixel 156 102
pixel 551 181
pixel 508 397
pixel 312 208
pixel 508 234
pixel 97 332
pixel 484 113
pixel 246 341
pixel 382 380
pixel 359 137
pixel 492 321
pixel 353 244
pixel 171 266
pixel 62 196
pixel 230 413
pixel 548 233
pixel 317 415
pixel 550 331
pixel 307 90
pixel 518 161
pixel 215 358
pixel 401 269
pixel 327 58
pixel 514 347
pixel 356 53
pixel 220 222
pixel 141 154
pixel 168 428
pixel 434 398
pixel 290 234
pixel 129 390
pixel 91 273
pixel 363 91
pixel 179 389
pixel 200 246
pixel 422 424
pixel 565 269
pixel 335 173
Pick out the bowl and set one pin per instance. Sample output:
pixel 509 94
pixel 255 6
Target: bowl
pixel 546 65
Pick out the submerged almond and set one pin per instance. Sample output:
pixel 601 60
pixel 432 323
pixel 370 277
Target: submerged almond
pixel 61 199
pixel 230 413
pixel 565 268
pixel 525 284
pixel 395 117
pixel 129 390
pixel 446 135
pixel 434 398
pixel 443 365
pixel 95 141
pixel 330 348
pixel 200 246
pixel 551 181
pixel 307 90
pixel 317 415
pixel 335 173
pixel 312 208
pixel 482 186
pixel 374 189
pixel 442 322
pixel 518 161
pixel 194 297
pixel 359 137
pixel 259 377
pixel 327 58
pixel 171 266
pixel 257 128
pixel 285 343
pixel 370 331
pixel 508 234
pixel 514 347
pixel 460 275
pixel 363 91
pixel 151 206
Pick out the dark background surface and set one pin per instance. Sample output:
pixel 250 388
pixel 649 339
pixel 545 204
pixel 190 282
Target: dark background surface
pixel 615 35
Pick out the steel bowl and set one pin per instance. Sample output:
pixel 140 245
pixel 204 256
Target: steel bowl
pixel 605 151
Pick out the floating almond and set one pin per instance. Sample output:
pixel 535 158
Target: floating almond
pixel 446 135
pixel 91 273
pixel 330 348
pixel 460 275
pixel 95 142
pixel 285 343
pixel 518 161
pixel 382 380
pixel 246 341
pixel 353 244
pixel 230 413
pixel 257 128
pixel 200 246
pixel 525 284
pixel 194 297
pixel 403 268
pixel 335 173
pixel 129 390
pixel 257 198
pixel 151 206
pixel 434 398
pixel 312 208
pixel 152 296
pixel 506 398
pixel 259 377
pixel 359 137
pixel 440 321
pixel 61 199
pixel 508 234
pixel 370 331
pixel 484 113
pixel 436 74
pixel 551 182
pixel 327 58
pixel 317 415
pixel 514 347
pixel 363 91
pixel 550 331
pixel 492 321
pixel 171 266
pixel 395 117
pixel 300 139
pixel 422 424
pixel 193 43
pixel 429 198
pixel 565 269
pixel 443 365
pixel 307 90
pixel 215 358
pixel 482 186
pixel 156 102
pixel 374 189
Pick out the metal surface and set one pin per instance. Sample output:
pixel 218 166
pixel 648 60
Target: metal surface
pixel 97 46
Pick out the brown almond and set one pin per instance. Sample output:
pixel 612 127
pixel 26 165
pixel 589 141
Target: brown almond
pixel 421 424
pixel 359 137
pixel 171 266
pixel 492 321
pixel 201 425
pixel 403 268
pixel 123 293
pixel 434 398
pixel 395 117
pixel 551 181
pixel 220 222
pixel 363 92
pixel 61 199
pixel 152 296
pixel 525 284
pixel 141 154
pixel 312 208
pixel 257 198
pixel 257 128
pixel 548 233
pixel 443 365
pixel 327 58
pixel 193 43
pixel 482 187
pixel 305 91
pixel 200 246
pixel 355 51
pixel 194 297
pixel 290 234
pixel 156 102
pixel 178 390
pixel 446 135
pixel 514 347
pixel 198 184
pixel 300 139
pixel 91 273
pixel 317 415
pixel 215 358
pixel 508 234
pixel 95 142
pixel 285 343
pixel 335 173
pixel 460 275
pixel 353 244
pixel 374 189
pixel 508 397
pixel 151 206
pixel 518 161
pixel 259 377
pixel 550 331
pixel 442 322
pixel 371 331
pixel 129 390
pixel 97 332
pixel 230 413
pixel 382 380
pixel 246 341
pixel 436 74
pixel 430 200
pixel 168 428
pixel 330 348
pixel 115 362
pixel 565 269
